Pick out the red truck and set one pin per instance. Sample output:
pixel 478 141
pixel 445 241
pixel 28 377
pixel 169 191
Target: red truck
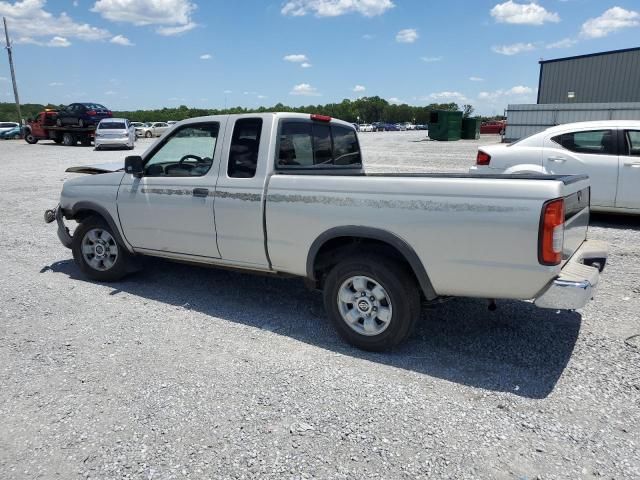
pixel 44 128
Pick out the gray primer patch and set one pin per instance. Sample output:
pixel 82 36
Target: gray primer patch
pixel 393 204
pixel 246 197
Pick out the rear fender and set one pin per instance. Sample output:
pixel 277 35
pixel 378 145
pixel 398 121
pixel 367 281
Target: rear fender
pixel 530 168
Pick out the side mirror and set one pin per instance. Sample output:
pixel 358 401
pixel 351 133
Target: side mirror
pixel 133 165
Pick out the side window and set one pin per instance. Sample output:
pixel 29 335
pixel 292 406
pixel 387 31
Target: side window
pixel 187 152
pixel 308 144
pixel 345 146
pixel 633 142
pixel 296 147
pixel 598 142
pixel 243 154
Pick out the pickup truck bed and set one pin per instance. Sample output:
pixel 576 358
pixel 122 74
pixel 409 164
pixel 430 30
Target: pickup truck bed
pixel 374 243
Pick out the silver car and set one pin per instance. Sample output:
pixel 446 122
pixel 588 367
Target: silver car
pixel 152 129
pixel 114 132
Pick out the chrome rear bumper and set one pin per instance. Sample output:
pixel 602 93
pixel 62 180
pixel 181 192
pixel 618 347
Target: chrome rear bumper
pixel 577 282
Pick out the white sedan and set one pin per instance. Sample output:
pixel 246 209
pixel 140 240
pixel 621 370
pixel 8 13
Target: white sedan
pixel 365 127
pixel 608 151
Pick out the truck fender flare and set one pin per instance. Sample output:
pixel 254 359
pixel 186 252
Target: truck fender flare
pixel 385 236
pixel 94 207
pixel 526 168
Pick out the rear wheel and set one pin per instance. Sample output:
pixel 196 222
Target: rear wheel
pixel 97 252
pixel 59 122
pixel 372 302
pixel 68 140
pixel 81 123
pixel 148 134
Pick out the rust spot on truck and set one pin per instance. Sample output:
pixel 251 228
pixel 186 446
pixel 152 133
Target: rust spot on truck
pixel 428 205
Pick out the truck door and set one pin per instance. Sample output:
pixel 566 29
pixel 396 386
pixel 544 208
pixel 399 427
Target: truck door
pixel 629 177
pixel 170 209
pixel 587 151
pixel 239 205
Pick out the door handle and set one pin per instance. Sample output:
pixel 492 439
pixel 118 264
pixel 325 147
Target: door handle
pixel 557 159
pixel 200 192
pixel 632 164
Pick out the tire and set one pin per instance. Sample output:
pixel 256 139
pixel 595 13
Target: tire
pixel 80 123
pixel 387 286
pixel 30 139
pixel 148 134
pixel 59 122
pixel 97 147
pixel 68 140
pixel 105 259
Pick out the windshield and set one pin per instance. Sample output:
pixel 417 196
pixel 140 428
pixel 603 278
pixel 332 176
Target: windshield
pixel 112 126
pixel 8 125
pixel 94 106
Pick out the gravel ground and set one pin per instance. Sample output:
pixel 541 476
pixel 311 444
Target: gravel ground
pixel 184 372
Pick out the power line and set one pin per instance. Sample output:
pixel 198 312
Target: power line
pixel 13 72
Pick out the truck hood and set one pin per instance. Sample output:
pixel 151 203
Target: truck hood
pixel 98 168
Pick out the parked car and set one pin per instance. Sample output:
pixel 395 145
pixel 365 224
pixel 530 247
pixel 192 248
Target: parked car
pixel 6 126
pixel 375 244
pixel 171 122
pixel 15 133
pixel 496 127
pixel 152 129
pixel 365 127
pixel 82 114
pixel 608 151
pixel 421 126
pixel 390 127
pixel 136 124
pixel 114 132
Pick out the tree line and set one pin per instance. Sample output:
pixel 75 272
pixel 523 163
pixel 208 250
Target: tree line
pixel 362 110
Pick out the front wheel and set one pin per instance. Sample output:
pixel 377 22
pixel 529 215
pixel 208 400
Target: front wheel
pixel 148 134
pixel 97 252
pixel 30 138
pixel 372 302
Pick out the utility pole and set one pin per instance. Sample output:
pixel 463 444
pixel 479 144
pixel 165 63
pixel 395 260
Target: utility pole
pixel 13 72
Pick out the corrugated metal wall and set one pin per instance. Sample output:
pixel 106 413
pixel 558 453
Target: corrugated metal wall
pixel 608 77
pixel 527 119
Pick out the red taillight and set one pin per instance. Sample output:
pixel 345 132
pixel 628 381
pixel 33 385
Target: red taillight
pixel 320 118
pixel 91 112
pixel 109 113
pixel 551 238
pixel 483 158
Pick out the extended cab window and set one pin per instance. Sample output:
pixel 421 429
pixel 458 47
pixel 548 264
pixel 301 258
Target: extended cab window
pixel 187 152
pixel 243 154
pixel 599 142
pixel 311 144
pixel 633 142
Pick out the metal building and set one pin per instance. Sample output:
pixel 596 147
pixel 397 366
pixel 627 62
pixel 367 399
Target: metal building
pixel 604 77
pixel 526 119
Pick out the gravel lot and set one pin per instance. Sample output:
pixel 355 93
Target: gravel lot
pixel 188 372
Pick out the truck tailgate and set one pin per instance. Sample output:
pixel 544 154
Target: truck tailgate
pixel 576 205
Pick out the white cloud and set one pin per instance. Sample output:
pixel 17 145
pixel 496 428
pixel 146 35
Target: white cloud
pixel 295 58
pixel 110 92
pixel 519 91
pixel 226 92
pixel 359 88
pixel 56 84
pixel 53 42
pixel 179 30
pixel 30 22
pixel 306 65
pixel 262 97
pixel 523 13
pixel 206 56
pixel 431 59
pixel 611 21
pixel 476 79
pixel 564 43
pixel 335 8
pixel 172 17
pixel 408 35
pixel 368 36
pixel 513 49
pixel 452 96
pixel 304 89
pixel 395 101
pixel 121 40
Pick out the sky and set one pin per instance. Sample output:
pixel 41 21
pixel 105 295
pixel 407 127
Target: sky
pixel 143 54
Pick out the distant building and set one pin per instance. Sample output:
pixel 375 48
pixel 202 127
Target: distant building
pixel 598 86
pixel 606 77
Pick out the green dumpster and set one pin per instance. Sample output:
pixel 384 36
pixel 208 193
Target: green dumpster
pixel 445 125
pixel 470 128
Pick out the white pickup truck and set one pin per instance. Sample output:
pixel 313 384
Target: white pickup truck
pixel 286 194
